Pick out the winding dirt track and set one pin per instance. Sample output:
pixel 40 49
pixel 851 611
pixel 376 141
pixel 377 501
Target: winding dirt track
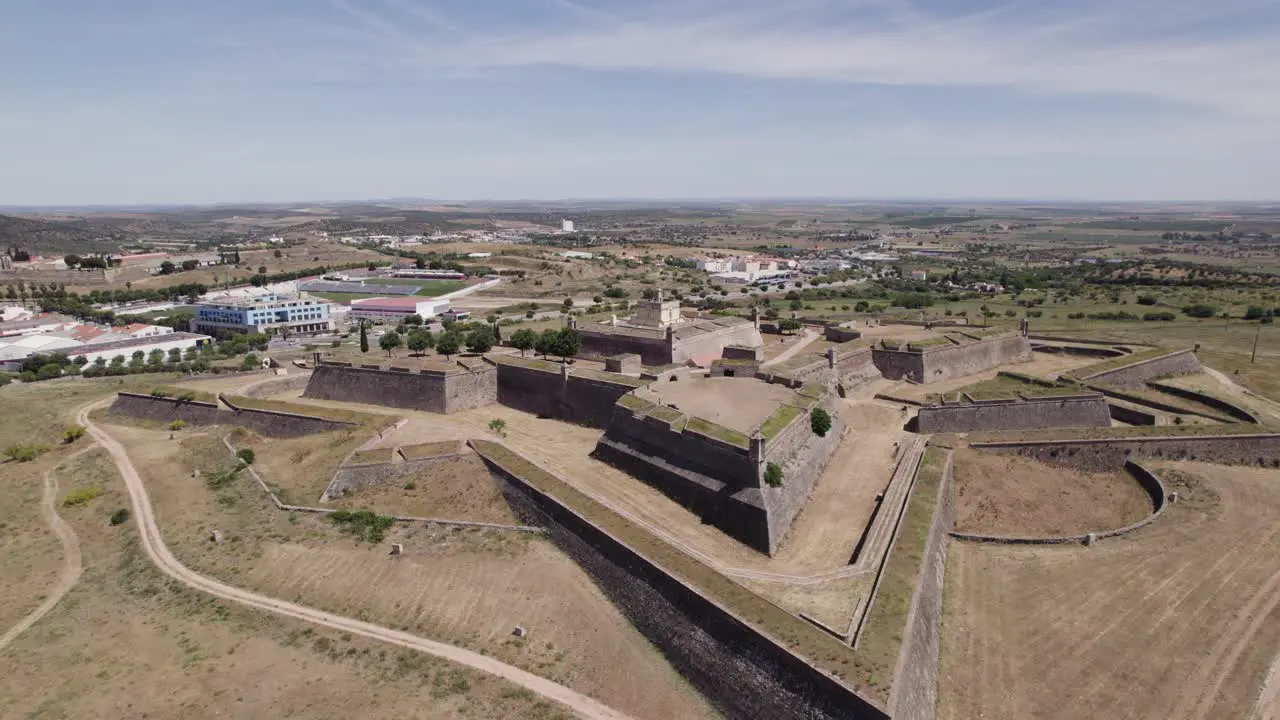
pixel 72 563
pixel 159 553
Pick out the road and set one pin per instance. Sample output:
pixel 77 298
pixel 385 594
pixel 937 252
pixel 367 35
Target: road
pixel 154 545
pixel 72 564
pixel 785 355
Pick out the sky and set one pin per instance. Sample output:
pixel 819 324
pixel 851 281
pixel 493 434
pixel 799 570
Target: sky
pixel 179 101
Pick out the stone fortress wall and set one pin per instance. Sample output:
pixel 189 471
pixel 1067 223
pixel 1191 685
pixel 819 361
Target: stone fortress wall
pixel 1111 453
pixel 1031 413
pixel 1136 375
pixel 268 423
pixel 445 392
pixel 943 362
pixel 742 671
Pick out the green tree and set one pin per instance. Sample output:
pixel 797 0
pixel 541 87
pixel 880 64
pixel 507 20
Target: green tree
pixel 49 371
pixel 546 343
pixel 156 357
pixel 364 338
pixel 480 340
pixel 788 325
pixel 166 268
pixel 567 343
pixel 71 260
pixel 820 421
pixel 524 340
pixel 419 340
pixel 1255 312
pixel 390 342
pixel 449 344
pixel 414 320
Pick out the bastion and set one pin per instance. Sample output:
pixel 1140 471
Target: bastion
pixel 660 334
pixel 707 443
pixel 954 355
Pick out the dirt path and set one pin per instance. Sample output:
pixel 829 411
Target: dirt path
pixel 72 563
pixel 785 355
pixel 160 555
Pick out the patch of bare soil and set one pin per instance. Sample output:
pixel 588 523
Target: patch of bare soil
pixel 1176 620
pixel 1005 495
pixel 454 489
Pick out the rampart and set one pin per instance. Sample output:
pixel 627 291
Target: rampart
pixel 1127 412
pixel 1032 413
pixel 1150 484
pixel 942 362
pixel 743 671
pixel 1136 375
pixel 915 683
pixel 438 391
pixel 718 474
pixel 269 423
pixel 542 388
pixel 697 338
pixel 1112 453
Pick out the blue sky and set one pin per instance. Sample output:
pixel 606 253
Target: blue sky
pixel 177 101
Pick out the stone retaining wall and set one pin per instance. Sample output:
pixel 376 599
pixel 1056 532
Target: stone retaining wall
pixel 1150 484
pixel 1034 413
pixel 1112 453
pixel 1131 414
pixel 743 672
pixel 1182 362
pixel 802 464
pixel 548 393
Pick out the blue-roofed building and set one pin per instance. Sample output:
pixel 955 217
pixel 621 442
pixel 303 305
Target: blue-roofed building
pixel 269 314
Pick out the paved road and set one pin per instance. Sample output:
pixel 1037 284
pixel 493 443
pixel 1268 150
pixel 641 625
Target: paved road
pixel 159 554
pixel 71 560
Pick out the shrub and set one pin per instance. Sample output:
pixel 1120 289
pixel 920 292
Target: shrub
pixel 411 485
pixel 81 496
pixel 498 426
pixel 365 525
pixel 1159 316
pixel 120 516
pixel 1200 311
pixel 1146 299
pixel 245 455
pixel 773 475
pixel 820 422
pixel 177 425
pixel 72 434
pixel 25 452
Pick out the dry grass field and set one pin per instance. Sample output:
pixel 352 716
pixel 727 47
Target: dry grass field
pixel 465 587
pixel 1178 620
pixel 451 489
pixel 1000 494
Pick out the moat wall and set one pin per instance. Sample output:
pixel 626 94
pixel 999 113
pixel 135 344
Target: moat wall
pixel 744 673
pixel 430 391
pixel 1111 454
pixel 1031 414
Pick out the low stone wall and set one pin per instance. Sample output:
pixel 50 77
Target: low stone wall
pixel 1144 401
pixel 1136 376
pixel 1150 484
pixel 1233 411
pixel 1109 454
pixel 267 423
pixel 914 694
pixel 430 391
pixel 743 672
pixel 1033 413
pixel 1098 352
pixel 742 352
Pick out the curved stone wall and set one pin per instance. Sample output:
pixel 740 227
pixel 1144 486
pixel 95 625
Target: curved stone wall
pixel 1111 453
pixel 1031 414
pixel 1147 479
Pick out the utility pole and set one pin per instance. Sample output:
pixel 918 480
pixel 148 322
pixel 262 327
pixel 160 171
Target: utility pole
pixel 1256 335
